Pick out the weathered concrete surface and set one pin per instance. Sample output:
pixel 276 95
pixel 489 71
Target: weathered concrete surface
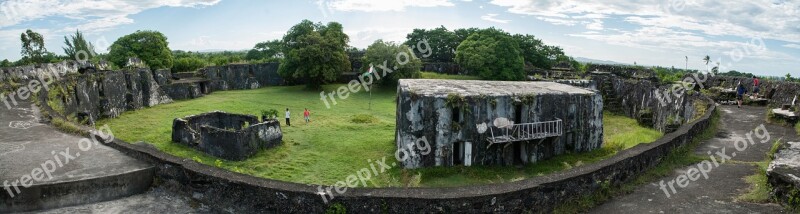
pixel 98 174
pixel 648 101
pixel 784 173
pixel 228 136
pixel 425 112
pixel 156 200
pixel 718 193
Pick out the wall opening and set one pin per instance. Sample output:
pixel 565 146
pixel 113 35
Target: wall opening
pixel 456 115
pixel 517 113
pixel 458 154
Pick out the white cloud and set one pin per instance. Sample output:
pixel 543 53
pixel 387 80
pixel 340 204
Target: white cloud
pixel 491 17
pixel 92 15
pixel 381 6
pixel 768 19
pixel 597 24
pixel 557 21
pixel 792 45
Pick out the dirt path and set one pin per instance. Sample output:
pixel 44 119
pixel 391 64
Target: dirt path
pixel 725 183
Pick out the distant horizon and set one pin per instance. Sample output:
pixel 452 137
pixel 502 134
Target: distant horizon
pixel 648 33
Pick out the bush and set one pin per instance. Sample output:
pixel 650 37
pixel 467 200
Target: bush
pixel 363 118
pixel 188 65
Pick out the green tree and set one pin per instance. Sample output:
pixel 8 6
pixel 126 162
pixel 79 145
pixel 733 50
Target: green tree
pixel 381 52
pixel 78 48
pixel 5 63
pixel 33 47
pixel 314 53
pixel 707 59
pixel 491 54
pixel 789 77
pixel 265 50
pixel 442 42
pixel 149 46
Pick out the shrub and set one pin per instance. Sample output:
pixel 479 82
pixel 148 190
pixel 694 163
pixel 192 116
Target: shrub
pixel 363 118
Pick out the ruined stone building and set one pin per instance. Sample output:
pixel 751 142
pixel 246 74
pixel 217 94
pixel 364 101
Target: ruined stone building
pixel 494 122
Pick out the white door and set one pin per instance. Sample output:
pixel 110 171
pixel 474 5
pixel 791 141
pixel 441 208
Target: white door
pixel 467 153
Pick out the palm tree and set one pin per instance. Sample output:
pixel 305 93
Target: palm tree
pixel 707 59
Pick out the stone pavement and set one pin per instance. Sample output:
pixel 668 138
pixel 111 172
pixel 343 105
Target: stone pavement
pixel 718 193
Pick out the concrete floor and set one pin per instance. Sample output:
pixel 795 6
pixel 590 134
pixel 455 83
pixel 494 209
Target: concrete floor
pixel 718 193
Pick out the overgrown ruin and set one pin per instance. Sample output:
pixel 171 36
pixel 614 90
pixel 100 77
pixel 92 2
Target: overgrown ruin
pixel 496 122
pixel 225 135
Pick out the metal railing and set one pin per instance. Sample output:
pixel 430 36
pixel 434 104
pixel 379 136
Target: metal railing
pixel 526 131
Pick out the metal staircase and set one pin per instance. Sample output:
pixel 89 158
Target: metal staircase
pixel 525 132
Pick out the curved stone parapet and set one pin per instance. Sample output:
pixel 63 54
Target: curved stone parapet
pixel 228 136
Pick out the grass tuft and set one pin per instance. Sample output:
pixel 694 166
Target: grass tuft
pixel 679 157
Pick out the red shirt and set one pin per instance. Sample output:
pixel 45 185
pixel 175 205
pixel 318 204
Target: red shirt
pixel 306 113
pixel 755 82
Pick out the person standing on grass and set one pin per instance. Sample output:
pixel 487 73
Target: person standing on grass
pixel 288 123
pixel 756 84
pixel 740 90
pixel 306 115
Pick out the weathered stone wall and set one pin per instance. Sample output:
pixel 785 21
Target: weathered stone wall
pixel 242 76
pixel 95 95
pixel 778 92
pixel 228 136
pixel 431 117
pixel 782 174
pixel 646 101
pixel 623 71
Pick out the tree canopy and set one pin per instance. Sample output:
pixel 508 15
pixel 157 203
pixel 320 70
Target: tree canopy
pixel 77 48
pixel 442 42
pixel 491 54
pixel 314 53
pixel 149 46
pixel 265 50
pixel 393 55
pixel 33 46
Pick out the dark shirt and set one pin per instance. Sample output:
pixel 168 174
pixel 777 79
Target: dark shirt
pixel 740 90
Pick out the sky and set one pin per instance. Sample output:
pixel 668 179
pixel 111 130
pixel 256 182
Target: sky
pixel 755 36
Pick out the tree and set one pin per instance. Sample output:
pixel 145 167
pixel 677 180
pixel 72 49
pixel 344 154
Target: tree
pixel 442 42
pixel 5 63
pixel 33 46
pixel 539 55
pixel 315 53
pixel 491 54
pixel 149 46
pixel 78 48
pixel 379 52
pixel 707 60
pixel 265 50
pixel 789 77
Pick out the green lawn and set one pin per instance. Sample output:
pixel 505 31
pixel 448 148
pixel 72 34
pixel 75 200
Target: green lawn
pixel 341 140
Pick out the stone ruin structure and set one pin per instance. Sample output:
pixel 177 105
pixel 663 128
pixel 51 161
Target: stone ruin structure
pixel 230 136
pixel 494 122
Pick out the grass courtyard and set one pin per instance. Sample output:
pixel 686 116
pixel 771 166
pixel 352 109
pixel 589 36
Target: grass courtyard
pixel 343 139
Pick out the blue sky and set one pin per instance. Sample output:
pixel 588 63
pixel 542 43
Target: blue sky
pixel 757 36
